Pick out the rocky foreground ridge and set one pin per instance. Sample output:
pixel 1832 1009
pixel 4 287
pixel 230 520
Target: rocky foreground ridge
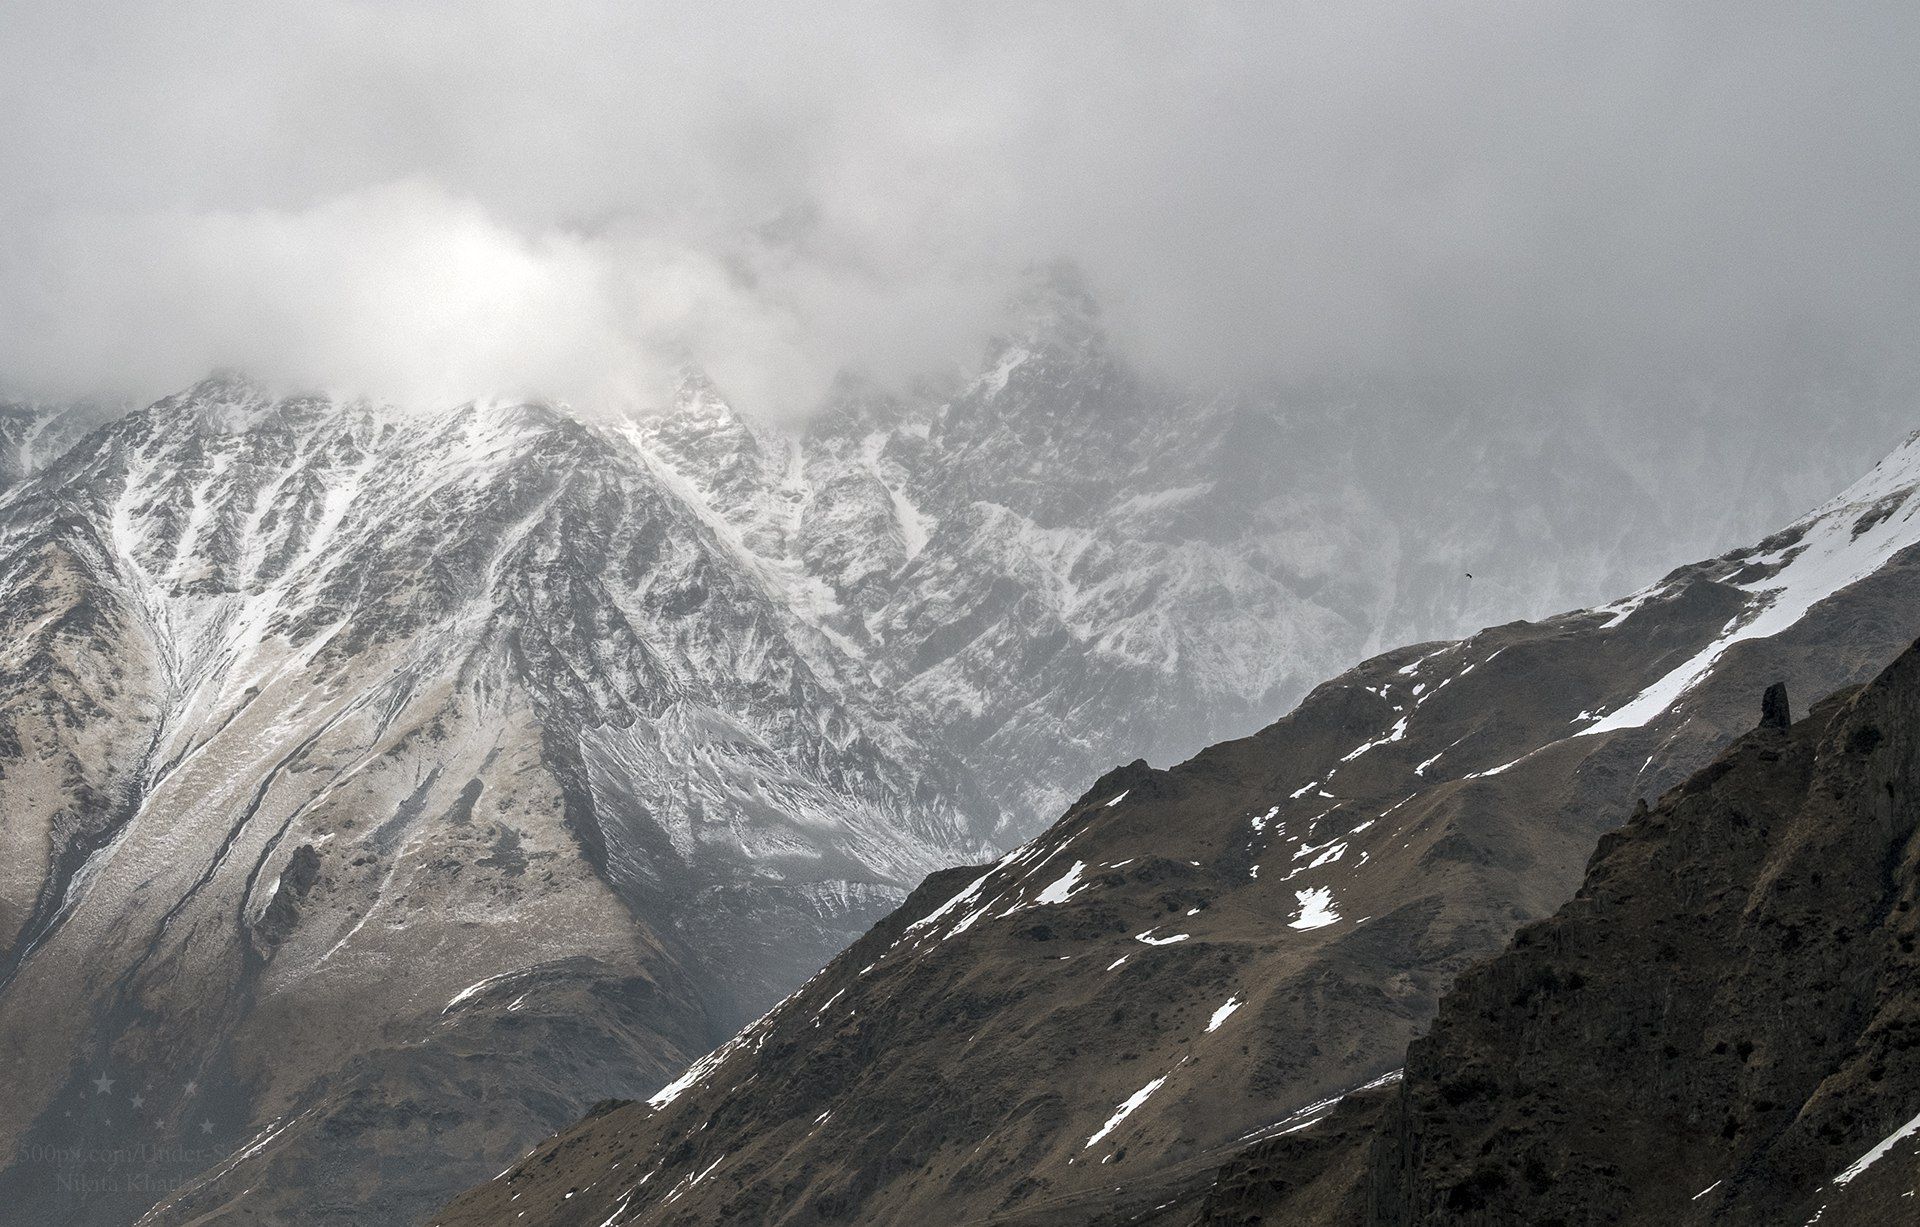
pixel 1714 1029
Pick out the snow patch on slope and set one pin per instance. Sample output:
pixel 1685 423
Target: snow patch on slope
pixel 1223 1013
pixel 1125 1110
pixel 1840 544
pixel 1879 1152
pixel 1316 909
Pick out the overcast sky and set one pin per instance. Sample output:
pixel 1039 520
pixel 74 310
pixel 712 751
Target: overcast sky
pixel 435 199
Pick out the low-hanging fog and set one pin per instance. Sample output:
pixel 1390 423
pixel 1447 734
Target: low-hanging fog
pixel 1644 203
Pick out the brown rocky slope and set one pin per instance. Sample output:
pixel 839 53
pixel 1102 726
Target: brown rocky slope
pixel 1715 1030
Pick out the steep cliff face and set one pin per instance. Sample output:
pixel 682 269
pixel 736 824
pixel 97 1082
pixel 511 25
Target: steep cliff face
pixel 1713 1030
pixel 1195 959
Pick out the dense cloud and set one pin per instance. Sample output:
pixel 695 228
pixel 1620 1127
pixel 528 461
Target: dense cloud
pixel 436 199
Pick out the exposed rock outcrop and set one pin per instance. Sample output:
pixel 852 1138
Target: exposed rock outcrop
pixel 1713 1031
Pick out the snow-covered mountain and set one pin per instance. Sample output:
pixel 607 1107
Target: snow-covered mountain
pixel 382 787
pixel 317 717
pixel 33 434
pixel 1194 959
pixel 1064 563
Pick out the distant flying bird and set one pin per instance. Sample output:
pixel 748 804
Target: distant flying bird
pixel 1469 575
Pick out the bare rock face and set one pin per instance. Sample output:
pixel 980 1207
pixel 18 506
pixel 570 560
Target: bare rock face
pixel 1711 1031
pixel 1775 712
pixel 1194 961
pixel 282 912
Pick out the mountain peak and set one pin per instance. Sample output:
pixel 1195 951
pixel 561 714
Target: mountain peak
pixel 855 402
pixel 230 378
pixel 225 401
pixel 698 397
pixel 1054 306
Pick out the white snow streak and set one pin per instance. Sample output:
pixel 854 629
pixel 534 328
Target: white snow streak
pixel 1831 556
pixel 475 987
pixel 1398 731
pixel 1878 1152
pixel 1061 890
pixel 1151 940
pixel 1126 1109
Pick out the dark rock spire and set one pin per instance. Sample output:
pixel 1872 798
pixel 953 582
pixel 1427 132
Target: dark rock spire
pixel 1774 710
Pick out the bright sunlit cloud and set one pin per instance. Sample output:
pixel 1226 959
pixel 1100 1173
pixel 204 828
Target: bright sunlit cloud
pixel 432 199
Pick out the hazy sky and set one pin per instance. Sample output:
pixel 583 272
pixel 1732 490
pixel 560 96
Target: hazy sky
pixel 431 199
